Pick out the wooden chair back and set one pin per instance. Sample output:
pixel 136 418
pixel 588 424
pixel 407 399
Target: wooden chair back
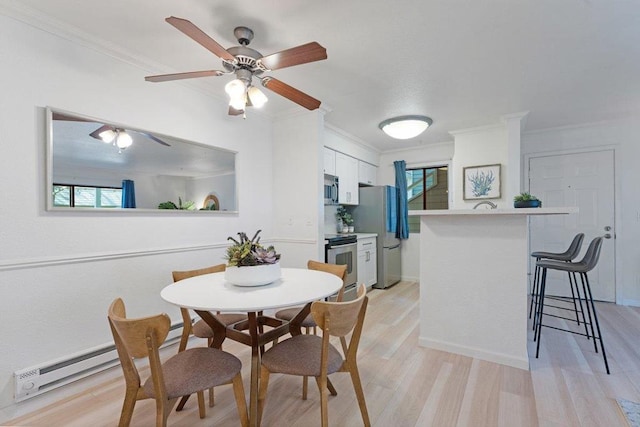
pixel 186 317
pixel 338 270
pixel 138 338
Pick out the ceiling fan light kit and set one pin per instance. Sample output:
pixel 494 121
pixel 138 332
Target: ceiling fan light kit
pixel 247 63
pixel 405 127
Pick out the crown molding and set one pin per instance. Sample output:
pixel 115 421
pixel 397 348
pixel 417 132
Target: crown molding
pixel 497 126
pixel 351 138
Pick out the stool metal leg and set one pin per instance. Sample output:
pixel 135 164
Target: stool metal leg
pixel 540 310
pixel 584 319
pixel 595 319
pixel 534 289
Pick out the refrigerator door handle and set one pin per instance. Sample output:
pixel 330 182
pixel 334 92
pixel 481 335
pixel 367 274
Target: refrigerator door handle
pixel 392 247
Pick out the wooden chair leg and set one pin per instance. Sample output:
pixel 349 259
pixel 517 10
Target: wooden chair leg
pixel 201 408
pixel 238 392
pixel 357 386
pixel 211 398
pixel 305 387
pixel 127 408
pixel 262 395
pixel 324 412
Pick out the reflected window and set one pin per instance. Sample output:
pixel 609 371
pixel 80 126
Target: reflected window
pixel 83 196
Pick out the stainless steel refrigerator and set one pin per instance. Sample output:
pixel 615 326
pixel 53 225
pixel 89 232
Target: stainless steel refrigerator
pixel 376 213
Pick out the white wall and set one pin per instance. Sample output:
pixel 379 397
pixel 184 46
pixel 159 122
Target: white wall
pixel 60 271
pixel 477 147
pixel 622 137
pixel 298 177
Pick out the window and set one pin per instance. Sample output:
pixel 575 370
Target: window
pixel 427 188
pixel 84 196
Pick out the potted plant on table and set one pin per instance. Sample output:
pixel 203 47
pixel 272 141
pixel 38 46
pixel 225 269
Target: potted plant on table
pixel 249 263
pixel 526 200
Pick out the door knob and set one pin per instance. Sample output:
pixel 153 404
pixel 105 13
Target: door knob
pixel 607 236
pixel 607 228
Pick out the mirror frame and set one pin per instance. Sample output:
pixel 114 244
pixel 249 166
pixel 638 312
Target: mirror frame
pixel 83 210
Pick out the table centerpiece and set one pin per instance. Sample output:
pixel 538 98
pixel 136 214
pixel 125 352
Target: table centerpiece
pixel 249 263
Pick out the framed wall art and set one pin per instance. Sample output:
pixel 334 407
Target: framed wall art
pixel 481 182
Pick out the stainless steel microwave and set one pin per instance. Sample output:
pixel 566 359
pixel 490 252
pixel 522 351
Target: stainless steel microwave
pixel 330 190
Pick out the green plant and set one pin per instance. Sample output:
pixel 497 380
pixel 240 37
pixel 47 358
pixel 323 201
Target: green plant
pixel 188 205
pixel 344 215
pixel 524 197
pixel 245 252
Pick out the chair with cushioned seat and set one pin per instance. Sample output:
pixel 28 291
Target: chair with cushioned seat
pixel 569 255
pixel 189 371
pixel 588 263
pixel 200 328
pixel 308 323
pixel 312 355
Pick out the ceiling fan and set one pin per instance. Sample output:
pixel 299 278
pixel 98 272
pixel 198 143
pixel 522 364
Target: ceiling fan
pixel 119 136
pixel 247 63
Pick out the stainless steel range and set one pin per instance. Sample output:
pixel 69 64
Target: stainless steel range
pixel 342 249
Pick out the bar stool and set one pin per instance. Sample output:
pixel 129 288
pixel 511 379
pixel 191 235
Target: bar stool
pixel 582 267
pixel 569 255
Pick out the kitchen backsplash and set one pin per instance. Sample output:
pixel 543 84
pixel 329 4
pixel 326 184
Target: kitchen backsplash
pixel 330 220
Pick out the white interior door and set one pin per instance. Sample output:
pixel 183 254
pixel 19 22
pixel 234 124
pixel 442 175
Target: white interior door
pixel 585 180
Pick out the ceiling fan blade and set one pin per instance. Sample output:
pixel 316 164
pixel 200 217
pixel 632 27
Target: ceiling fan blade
pixel 234 112
pixel 180 76
pixel 188 28
pixel 96 133
pixel 291 93
pixel 309 52
pixel 153 138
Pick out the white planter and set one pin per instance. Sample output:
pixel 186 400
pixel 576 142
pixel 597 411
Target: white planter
pixel 257 275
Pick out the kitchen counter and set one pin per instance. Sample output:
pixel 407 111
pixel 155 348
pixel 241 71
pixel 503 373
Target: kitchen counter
pixel 365 235
pixel 473 282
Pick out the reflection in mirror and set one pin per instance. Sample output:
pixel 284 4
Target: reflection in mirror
pixel 104 166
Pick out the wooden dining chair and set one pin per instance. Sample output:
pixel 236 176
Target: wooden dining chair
pixel 190 371
pixel 312 355
pixel 308 323
pixel 200 328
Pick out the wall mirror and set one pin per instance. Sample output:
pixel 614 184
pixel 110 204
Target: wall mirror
pixel 97 165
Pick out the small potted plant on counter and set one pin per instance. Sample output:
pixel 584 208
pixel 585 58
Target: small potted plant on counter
pixel 345 217
pixel 526 200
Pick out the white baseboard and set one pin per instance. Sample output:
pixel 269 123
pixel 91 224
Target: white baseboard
pixel 500 358
pixel 631 302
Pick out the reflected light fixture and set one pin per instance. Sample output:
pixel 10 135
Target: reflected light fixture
pixel 405 127
pixel 107 135
pixel 123 140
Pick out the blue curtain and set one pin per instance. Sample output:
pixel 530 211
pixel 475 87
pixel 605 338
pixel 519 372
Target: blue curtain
pixel 402 231
pixel 128 194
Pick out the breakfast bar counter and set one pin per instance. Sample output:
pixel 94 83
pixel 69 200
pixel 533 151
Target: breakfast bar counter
pixel 473 282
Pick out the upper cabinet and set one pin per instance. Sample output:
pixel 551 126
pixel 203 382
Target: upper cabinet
pixel 347 173
pixel 329 161
pixel 367 173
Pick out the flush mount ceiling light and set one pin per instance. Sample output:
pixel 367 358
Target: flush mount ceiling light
pixel 405 127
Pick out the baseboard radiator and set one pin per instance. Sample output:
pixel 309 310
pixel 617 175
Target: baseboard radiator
pixel 33 381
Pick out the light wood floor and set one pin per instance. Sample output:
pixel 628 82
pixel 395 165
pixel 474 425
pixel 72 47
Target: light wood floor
pixel 406 385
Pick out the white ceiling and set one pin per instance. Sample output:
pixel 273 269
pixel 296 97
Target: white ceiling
pixel 464 63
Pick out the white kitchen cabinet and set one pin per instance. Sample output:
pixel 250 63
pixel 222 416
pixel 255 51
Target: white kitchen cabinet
pixel 367 264
pixel 367 173
pixel 329 161
pixel 347 173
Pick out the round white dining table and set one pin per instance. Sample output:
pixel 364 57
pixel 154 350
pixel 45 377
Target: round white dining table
pixel 211 292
